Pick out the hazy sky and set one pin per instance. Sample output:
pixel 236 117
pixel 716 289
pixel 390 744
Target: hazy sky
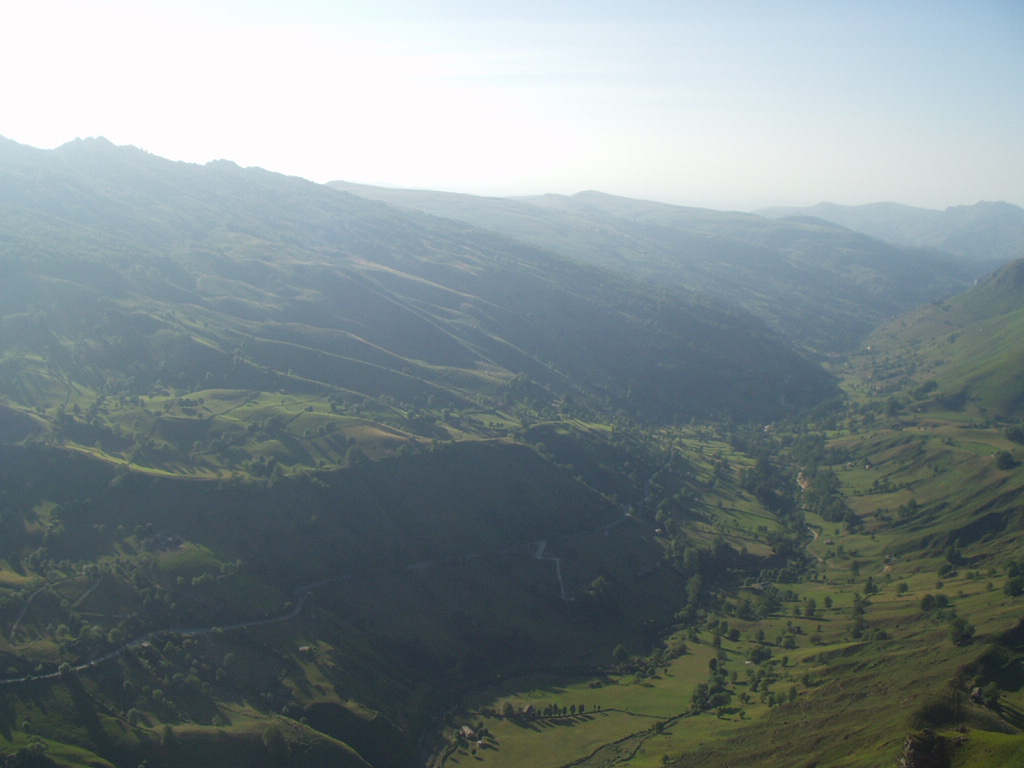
pixel 723 104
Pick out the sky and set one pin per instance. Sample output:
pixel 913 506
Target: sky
pixel 730 104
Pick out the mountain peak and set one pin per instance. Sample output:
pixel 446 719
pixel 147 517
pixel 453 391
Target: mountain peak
pixel 89 143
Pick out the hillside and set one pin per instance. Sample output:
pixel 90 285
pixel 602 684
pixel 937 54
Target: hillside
pixel 823 286
pixel 986 232
pixel 966 353
pixel 154 309
pixel 371 594
pixel 891 636
pixel 287 462
pixel 290 477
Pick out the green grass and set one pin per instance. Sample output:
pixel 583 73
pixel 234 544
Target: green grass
pixel 616 706
pixel 986 749
pixel 62 754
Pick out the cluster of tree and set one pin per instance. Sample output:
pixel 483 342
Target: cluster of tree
pixel 550 710
pixel 713 694
pixel 770 485
pixel 813 450
pixel 824 497
pixel 723 686
pixel 1014 586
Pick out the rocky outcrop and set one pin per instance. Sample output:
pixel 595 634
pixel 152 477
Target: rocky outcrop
pixel 926 749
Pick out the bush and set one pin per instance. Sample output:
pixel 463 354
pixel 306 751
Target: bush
pixel 759 653
pixel 620 655
pixel 1015 586
pixel 1005 460
pixel 961 631
pixel 275 743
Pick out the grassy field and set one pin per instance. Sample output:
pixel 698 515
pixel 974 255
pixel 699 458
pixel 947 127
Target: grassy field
pixel 615 706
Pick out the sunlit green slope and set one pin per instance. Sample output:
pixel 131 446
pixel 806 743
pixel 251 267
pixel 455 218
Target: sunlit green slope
pixel 964 353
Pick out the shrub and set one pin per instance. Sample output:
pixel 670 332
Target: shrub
pixel 1014 586
pixel 961 631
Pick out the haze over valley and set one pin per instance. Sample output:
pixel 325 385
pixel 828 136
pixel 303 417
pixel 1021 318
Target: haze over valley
pixel 527 385
pixel 309 474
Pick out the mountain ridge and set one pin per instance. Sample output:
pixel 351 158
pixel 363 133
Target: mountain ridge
pixel 989 232
pixel 823 288
pixel 136 273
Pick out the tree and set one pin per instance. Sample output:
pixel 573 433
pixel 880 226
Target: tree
pixel 620 655
pixel 1005 460
pixel 759 653
pixel 167 736
pixel 699 700
pixel 598 586
pixel 275 743
pixel 354 457
pixel 719 701
pixel 961 631
pixel 991 694
pixel 693 589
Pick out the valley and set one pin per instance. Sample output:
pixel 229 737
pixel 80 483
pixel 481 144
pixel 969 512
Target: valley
pixel 290 475
pixel 855 654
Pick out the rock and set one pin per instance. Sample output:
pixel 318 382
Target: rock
pixel 925 749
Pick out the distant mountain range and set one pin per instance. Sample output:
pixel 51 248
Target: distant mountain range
pixel 823 286
pixel 985 232
pixel 126 274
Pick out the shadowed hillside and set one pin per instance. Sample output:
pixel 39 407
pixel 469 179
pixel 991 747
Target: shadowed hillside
pixel 823 286
pixel 128 276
